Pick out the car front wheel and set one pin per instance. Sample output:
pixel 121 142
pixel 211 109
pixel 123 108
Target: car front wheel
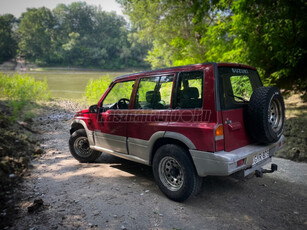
pixel 174 173
pixel 80 149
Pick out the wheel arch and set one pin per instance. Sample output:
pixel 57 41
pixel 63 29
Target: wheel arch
pixel 172 138
pixel 80 124
pixel 75 126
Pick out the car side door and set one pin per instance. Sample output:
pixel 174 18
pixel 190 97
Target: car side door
pixel 111 132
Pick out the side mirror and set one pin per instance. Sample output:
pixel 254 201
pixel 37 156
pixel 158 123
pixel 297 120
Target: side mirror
pixel 93 109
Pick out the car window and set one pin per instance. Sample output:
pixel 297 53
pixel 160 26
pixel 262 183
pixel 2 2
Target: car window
pixel 154 93
pixel 190 90
pixel 121 90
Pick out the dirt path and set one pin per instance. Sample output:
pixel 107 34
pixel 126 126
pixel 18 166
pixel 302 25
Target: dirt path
pixel 118 194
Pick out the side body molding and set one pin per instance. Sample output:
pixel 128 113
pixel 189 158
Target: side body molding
pixel 142 148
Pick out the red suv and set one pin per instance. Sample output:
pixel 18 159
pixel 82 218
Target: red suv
pixel 186 122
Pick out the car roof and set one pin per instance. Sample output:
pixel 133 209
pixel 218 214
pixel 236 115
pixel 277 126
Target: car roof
pixel 179 68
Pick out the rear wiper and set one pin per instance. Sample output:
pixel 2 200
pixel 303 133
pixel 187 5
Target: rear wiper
pixel 241 98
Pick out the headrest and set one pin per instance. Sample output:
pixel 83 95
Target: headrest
pixel 190 93
pixel 153 96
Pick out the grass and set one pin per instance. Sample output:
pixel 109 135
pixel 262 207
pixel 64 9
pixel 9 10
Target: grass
pixel 21 92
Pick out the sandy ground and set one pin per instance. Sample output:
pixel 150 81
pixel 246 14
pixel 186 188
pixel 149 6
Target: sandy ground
pixel 118 194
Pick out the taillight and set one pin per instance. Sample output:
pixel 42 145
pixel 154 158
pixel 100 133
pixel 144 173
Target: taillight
pixel 219 132
pixel 219 137
pixel 240 162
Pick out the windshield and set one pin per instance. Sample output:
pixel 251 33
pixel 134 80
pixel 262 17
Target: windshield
pixel 236 86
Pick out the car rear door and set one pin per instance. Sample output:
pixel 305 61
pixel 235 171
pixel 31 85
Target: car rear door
pixel 236 87
pixel 150 116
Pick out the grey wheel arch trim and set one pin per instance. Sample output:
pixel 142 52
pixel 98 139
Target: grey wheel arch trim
pixel 171 135
pixel 152 141
pixel 180 137
pixel 89 133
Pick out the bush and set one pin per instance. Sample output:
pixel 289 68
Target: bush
pixel 95 88
pixel 22 91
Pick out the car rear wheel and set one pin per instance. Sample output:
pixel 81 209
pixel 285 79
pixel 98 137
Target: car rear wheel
pixel 80 149
pixel 174 173
pixel 266 115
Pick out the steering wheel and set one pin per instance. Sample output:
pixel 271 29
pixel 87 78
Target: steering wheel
pixel 123 103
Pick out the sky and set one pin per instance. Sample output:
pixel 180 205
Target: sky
pixel 16 7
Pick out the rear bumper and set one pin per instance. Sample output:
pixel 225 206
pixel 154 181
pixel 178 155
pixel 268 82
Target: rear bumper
pixel 225 163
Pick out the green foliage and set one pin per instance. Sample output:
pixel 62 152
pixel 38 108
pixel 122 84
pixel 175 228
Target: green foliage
pixel 21 92
pixel 23 88
pixel 270 35
pixel 95 88
pixel 274 33
pixel 8 43
pixel 175 29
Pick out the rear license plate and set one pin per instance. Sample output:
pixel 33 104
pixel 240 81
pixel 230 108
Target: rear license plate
pixel 260 157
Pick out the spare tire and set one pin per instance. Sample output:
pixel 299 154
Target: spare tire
pixel 266 115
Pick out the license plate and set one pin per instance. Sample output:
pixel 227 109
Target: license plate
pixel 260 157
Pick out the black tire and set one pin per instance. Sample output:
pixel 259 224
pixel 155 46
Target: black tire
pixel 80 149
pixel 175 173
pixel 266 115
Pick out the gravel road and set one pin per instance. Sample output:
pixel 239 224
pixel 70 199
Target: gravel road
pixel 117 194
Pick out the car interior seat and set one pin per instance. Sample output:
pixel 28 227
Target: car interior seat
pixel 189 98
pixel 153 99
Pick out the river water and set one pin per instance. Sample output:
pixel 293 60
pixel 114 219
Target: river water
pixel 70 84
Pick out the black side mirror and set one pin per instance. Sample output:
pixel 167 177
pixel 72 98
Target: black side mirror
pixel 93 109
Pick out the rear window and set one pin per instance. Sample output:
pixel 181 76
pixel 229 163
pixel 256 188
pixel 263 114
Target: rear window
pixel 236 86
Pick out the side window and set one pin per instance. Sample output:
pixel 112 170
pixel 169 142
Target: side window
pixel 154 93
pixel 190 90
pixel 241 88
pixel 121 90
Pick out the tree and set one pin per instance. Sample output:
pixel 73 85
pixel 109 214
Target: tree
pixel 88 36
pixel 36 32
pixel 76 35
pixel 175 28
pixel 274 34
pixel 8 43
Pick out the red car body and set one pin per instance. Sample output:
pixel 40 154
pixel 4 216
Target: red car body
pixel 215 133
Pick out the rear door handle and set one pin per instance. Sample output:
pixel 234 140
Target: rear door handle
pixel 235 126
